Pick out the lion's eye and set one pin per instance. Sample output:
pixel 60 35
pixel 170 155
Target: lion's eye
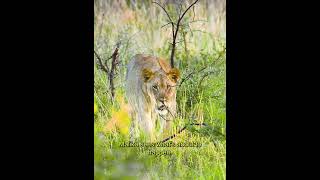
pixel 155 87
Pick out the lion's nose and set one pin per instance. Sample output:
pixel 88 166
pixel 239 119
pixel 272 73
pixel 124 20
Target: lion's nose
pixel 162 107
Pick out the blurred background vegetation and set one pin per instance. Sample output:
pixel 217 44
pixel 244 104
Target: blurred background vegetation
pixel 137 26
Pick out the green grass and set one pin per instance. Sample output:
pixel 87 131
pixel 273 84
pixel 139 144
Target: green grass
pixel 197 102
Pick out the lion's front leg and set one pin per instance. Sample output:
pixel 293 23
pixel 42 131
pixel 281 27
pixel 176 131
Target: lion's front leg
pixel 167 128
pixel 133 127
pixel 168 125
pixel 148 127
pixel 170 118
pixel 162 124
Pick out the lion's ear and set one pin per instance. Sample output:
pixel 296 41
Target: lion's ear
pixel 147 74
pixel 174 74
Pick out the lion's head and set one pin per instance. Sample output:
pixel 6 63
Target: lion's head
pixel 161 85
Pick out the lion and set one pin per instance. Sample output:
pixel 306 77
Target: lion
pixel 151 94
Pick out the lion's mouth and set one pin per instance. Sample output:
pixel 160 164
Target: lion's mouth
pixel 162 110
pixel 162 107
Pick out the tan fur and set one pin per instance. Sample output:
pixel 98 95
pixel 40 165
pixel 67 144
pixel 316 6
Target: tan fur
pixel 150 86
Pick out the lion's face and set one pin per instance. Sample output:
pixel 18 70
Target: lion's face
pixel 162 87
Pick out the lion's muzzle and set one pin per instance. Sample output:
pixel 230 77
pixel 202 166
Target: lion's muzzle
pixel 162 107
pixel 162 110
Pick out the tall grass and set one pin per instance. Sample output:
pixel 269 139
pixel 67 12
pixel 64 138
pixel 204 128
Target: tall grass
pixel 201 98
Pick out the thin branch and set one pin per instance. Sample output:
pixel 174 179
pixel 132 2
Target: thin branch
pixel 176 33
pixel 191 124
pixel 170 20
pixel 112 72
pixel 187 77
pixel 174 135
pixel 163 10
pixel 114 63
pixel 166 24
pixel 176 42
pixel 188 9
pixel 202 69
pixel 102 66
pixel 204 76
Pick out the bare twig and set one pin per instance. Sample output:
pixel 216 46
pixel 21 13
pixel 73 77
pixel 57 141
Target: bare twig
pixel 174 135
pixel 191 124
pixel 187 77
pixel 105 68
pixel 166 24
pixel 185 127
pixel 204 76
pixel 111 73
pixel 114 63
pixel 174 30
pixel 200 70
pixel 170 20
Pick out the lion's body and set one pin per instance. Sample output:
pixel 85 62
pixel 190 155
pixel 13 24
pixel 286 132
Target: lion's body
pixel 143 72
